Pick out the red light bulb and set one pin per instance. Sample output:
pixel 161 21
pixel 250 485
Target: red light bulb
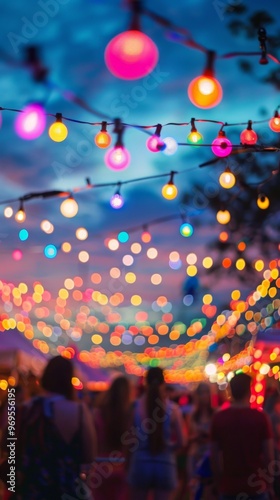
pixel 274 123
pixel 248 136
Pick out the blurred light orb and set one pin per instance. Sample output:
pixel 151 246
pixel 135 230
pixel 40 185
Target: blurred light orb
pixel 131 55
pixel 155 144
pixel 17 254
pixel 227 179
pixel 31 122
pixel 205 92
pixel 103 139
pixel 50 251
pixel 117 201
pixel 83 256
pixel 221 146
pixel 58 131
pixel 195 138
pixel 248 136
pixel 8 212
pixel 47 226
pixel 23 235
pixel 169 191
pixel 81 233
pixel 210 369
pixel 20 216
pixel 186 230
pixel 263 202
pixel 171 146
pixel 117 158
pixel 274 123
pixel 69 208
pixel 223 216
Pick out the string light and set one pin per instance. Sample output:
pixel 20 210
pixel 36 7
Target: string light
pixel 69 207
pixel 169 190
pixel 118 158
pixel 20 215
pixel 155 143
pixel 117 200
pixel 186 229
pixel 274 123
pixel 248 136
pixel 227 179
pixel 221 146
pixel 102 138
pixel 132 54
pixel 194 136
pixel 8 212
pixel 31 123
pixel 263 202
pixel 205 91
pixel 171 146
pixel 223 216
pixel 58 131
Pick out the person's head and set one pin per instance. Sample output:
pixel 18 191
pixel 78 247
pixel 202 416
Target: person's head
pixel 155 377
pixel 57 377
pixel 119 392
pixel 116 412
pixel 240 386
pixel 203 395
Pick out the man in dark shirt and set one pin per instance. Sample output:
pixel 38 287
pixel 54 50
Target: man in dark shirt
pixel 242 447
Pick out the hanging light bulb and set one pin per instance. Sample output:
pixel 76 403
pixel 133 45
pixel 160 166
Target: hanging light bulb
pixel 263 201
pixel 248 136
pixel 146 235
pixel 227 179
pixel 117 200
pixel 223 216
pixel 155 143
pixel 20 215
pixel 186 229
pixel 58 131
pixel 69 207
pixel 131 54
pixel 221 146
pixel 31 123
pixel 169 191
pixel 118 157
pixel 274 123
pixel 205 91
pixel 102 138
pixel 194 136
pixel 171 146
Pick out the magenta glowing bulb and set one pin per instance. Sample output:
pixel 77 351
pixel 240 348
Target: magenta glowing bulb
pixel 155 144
pixel 131 55
pixel 221 146
pixel 116 201
pixel 117 158
pixel 31 122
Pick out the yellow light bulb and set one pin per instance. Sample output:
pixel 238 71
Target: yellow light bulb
pixel 20 216
pixel 227 179
pixel 263 201
pixel 223 216
pixel 69 208
pixel 58 131
pixel 169 191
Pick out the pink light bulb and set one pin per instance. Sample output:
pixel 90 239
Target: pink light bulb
pixel 131 55
pixel 117 158
pixel 221 146
pixel 31 122
pixel 116 201
pixel 155 144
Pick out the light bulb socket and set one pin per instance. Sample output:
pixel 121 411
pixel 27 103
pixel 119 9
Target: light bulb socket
pixel 249 126
pixel 58 117
pixel 118 190
pixel 276 114
pixel 193 127
pixel 221 133
pixel 118 130
pixel 158 130
pixel 103 127
pixel 209 67
pixel 136 10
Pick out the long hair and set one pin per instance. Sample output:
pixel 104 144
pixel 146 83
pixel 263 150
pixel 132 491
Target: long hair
pixel 116 412
pixel 207 408
pixel 155 409
pixel 57 377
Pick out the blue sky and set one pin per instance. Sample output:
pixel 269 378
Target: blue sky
pixel 72 39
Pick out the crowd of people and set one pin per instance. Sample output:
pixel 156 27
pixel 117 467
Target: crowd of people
pixel 142 446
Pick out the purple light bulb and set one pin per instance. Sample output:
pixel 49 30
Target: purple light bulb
pixel 31 122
